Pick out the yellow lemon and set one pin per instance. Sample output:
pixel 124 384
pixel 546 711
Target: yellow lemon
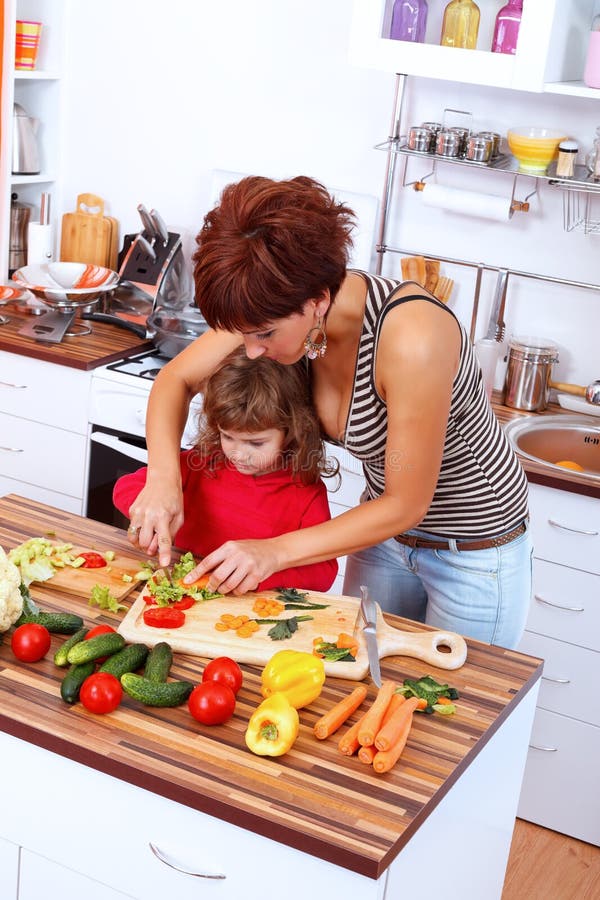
pixel 569 464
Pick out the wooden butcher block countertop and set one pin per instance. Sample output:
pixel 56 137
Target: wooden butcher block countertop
pixel 313 798
pixel 106 344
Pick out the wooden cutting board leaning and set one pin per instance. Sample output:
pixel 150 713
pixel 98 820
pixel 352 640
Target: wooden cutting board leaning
pixel 199 637
pixel 88 235
pixel 81 581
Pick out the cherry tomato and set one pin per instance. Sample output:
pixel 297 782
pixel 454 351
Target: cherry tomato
pixel 30 642
pixel 185 603
pixel 93 560
pixel 164 617
pixel 99 629
pixel 212 703
pixel 225 671
pixel 101 692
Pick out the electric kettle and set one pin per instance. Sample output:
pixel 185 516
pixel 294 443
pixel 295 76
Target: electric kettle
pixel 25 153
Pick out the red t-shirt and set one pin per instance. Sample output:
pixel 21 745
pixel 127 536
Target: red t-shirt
pixel 221 504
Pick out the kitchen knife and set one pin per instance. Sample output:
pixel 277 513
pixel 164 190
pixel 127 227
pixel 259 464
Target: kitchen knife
pixel 368 610
pixel 148 225
pixel 161 229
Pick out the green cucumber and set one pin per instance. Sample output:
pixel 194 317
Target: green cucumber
pixel 129 659
pixel 57 623
pixel 153 693
pixel 100 645
pixel 71 683
pixel 60 657
pixel 158 664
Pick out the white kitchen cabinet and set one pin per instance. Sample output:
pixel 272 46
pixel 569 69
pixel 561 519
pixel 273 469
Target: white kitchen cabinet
pixel 43 431
pixel 9 870
pixel 36 873
pixel 39 93
pixel 550 55
pixel 344 493
pixel 563 628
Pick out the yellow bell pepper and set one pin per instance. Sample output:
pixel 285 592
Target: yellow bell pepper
pixel 273 727
pixel 298 675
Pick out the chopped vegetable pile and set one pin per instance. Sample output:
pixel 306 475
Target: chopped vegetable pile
pixel 438 696
pixel 38 559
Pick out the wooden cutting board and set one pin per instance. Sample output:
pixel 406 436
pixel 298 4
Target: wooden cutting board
pixel 81 581
pixel 199 637
pixel 88 235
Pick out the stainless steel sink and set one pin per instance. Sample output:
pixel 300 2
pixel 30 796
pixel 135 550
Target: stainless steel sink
pixel 551 439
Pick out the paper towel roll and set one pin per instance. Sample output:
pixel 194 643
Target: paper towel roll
pixel 467 203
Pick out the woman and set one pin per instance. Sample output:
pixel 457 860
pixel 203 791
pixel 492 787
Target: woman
pixel 442 534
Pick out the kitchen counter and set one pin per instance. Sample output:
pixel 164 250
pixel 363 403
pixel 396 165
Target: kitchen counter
pixel 106 344
pixel 312 799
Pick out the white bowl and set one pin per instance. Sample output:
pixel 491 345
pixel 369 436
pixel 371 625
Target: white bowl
pixel 66 283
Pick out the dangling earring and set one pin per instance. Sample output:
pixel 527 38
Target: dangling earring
pixel 315 344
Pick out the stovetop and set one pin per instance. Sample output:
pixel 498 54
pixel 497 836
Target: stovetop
pixel 136 371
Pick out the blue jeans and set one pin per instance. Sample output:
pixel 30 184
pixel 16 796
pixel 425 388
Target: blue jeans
pixel 482 594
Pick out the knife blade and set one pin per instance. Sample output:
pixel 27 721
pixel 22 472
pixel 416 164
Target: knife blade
pixel 368 611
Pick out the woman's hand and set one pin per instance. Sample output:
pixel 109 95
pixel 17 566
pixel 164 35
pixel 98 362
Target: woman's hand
pixel 237 566
pixel 156 517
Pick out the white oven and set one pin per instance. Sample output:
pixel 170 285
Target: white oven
pixel 117 417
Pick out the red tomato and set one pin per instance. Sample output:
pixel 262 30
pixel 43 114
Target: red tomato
pixel 212 703
pixel 185 603
pixel 164 617
pixel 225 671
pixel 99 629
pixel 30 642
pixel 93 560
pixel 101 692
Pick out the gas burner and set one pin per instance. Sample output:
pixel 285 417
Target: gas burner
pixel 150 373
pixel 146 366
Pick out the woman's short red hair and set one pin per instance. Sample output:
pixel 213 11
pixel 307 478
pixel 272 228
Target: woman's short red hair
pixel 267 248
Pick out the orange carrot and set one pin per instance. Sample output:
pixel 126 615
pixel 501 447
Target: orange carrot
pixel 389 734
pixel 337 715
pixel 372 719
pixel 366 754
pixel 384 760
pixel 348 743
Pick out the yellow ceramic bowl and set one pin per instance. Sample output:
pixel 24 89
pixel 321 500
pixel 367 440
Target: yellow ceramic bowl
pixel 535 148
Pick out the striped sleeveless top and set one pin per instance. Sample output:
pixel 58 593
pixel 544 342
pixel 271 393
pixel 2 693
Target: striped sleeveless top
pixel 482 489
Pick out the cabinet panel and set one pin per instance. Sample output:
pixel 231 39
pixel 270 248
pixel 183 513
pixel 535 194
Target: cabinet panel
pixel 9 870
pixel 565 604
pixel 565 528
pixel 569 683
pixel 41 455
pixel 35 492
pixel 562 783
pixel 37 873
pixel 44 392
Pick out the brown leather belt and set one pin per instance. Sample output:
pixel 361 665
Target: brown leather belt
pixel 413 540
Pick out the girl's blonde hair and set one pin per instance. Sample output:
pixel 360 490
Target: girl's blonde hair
pixel 253 395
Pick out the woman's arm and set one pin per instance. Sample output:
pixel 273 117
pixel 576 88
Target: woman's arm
pixel 417 360
pixel 158 509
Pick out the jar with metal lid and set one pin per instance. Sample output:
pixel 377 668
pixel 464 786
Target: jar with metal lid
pixel 494 137
pixel 479 148
pixel 432 126
pixel 527 381
pixel 448 143
pixel 421 139
pixel 463 134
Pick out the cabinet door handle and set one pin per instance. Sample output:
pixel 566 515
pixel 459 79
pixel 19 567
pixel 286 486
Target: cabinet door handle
pixel 574 530
pixel 556 680
pixel 545 749
pixel 559 606
pixel 168 861
pixel 12 449
pixel 18 387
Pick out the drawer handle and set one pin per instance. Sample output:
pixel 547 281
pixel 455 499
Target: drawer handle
pixel 545 749
pixel 574 530
pixel 18 387
pixel 558 605
pixel 12 449
pixel 160 854
pixel 556 680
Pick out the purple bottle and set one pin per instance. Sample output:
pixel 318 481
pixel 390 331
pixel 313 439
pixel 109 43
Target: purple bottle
pixel 409 18
pixel 506 32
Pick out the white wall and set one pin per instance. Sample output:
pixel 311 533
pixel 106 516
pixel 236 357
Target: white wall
pixel 159 95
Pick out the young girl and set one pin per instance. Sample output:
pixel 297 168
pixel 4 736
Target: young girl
pixel 255 471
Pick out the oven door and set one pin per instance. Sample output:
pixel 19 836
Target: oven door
pixel 112 454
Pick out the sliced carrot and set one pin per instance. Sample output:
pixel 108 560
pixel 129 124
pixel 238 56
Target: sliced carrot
pixel 374 715
pixel 389 734
pixel 367 754
pixel 345 640
pixel 444 701
pixel 221 626
pixel 338 714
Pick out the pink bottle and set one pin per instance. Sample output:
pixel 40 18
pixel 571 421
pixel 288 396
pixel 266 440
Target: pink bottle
pixel 506 31
pixel 591 74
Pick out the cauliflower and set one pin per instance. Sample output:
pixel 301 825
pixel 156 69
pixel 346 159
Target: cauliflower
pixel 11 601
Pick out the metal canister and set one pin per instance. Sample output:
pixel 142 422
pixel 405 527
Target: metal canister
pixel 432 126
pixel 448 143
pixel 421 139
pixel 463 134
pixel 479 148
pixel 527 381
pixel 494 137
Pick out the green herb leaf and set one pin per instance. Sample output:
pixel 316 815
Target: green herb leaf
pixel 291 595
pixel 332 652
pixel 430 690
pixel 284 628
pixel 306 605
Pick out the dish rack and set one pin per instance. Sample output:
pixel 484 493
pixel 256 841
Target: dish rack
pixel 581 200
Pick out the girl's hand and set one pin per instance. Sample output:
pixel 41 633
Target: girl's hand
pixel 156 517
pixel 237 566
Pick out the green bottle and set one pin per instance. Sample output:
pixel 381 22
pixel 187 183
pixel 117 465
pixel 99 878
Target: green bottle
pixel 461 24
